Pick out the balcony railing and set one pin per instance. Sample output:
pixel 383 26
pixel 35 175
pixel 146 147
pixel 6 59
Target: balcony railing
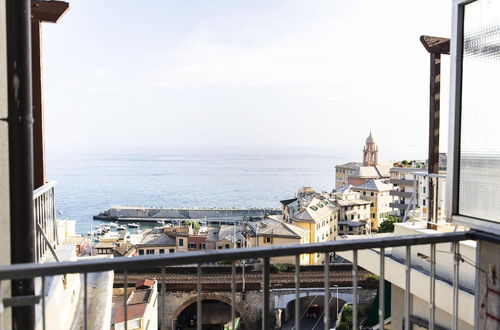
pixel 159 262
pixel 44 203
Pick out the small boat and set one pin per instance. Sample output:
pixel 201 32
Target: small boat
pixel 119 228
pixel 113 224
pixel 133 225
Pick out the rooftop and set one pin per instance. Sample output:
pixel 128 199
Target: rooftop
pixel 271 227
pixel 375 185
pixel 156 237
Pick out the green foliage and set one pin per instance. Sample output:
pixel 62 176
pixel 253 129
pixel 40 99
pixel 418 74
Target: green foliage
pixel 387 226
pixel 404 162
pixel 193 223
pixel 343 326
pixel 371 277
pixel 347 314
pixel 276 268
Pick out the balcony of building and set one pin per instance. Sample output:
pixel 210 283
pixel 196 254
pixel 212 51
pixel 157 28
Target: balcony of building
pixel 441 274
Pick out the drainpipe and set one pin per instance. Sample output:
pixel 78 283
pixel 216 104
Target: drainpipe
pixel 20 122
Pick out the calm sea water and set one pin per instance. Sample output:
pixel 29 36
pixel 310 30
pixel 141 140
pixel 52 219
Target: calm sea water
pixel 89 184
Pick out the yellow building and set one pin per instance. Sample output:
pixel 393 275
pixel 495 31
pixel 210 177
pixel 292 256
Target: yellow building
pixel 314 212
pixel 273 231
pixel 377 192
pixel 343 172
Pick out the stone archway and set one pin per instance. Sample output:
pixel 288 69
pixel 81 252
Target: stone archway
pixel 207 296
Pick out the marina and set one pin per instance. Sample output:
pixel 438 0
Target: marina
pixel 135 215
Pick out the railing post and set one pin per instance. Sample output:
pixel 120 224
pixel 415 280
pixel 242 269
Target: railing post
pixel 297 292
pixel 432 293
pixel 326 279
pixel 456 268
pixel 381 295
pixel 355 289
pixel 199 301
pixel 265 294
pixel 477 299
pixel 407 288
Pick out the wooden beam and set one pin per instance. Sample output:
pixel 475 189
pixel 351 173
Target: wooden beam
pixel 41 11
pixel 48 11
pixel 36 82
pixel 436 45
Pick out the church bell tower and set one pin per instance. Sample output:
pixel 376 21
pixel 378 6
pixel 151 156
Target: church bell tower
pixel 370 152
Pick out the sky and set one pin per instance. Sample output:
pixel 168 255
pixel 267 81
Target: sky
pixel 261 76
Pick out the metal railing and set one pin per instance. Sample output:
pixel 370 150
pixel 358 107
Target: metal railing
pixel 420 200
pixel 159 262
pixel 44 203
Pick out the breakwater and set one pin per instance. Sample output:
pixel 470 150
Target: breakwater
pixel 129 213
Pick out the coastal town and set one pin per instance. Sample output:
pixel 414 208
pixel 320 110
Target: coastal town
pixel 367 199
pixel 366 194
pixel 261 112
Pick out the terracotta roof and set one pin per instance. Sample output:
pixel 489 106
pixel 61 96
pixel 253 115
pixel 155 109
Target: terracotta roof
pixel 133 312
pixel 143 284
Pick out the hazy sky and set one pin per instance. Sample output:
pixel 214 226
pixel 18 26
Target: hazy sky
pixel 247 76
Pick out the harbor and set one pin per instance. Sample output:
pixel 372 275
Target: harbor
pixel 171 215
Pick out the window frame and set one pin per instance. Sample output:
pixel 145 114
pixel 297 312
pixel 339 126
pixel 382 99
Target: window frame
pixel 453 182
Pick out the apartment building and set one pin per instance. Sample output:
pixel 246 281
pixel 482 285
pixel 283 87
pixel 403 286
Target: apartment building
pixel 142 306
pixel 410 192
pixel 230 237
pixel 343 172
pixel 378 193
pixel 354 212
pixel 273 231
pixel 156 241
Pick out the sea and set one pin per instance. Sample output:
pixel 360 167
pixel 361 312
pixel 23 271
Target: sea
pixel 89 184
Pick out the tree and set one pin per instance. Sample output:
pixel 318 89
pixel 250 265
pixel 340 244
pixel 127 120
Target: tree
pixel 387 226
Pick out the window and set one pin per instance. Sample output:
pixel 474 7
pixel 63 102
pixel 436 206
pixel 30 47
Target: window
pixel 359 215
pixel 238 244
pixel 171 250
pixel 477 186
pixel 364 207
pixel 181 242
pixel 141 252
pixel 350 229
pixel 423 202
pixel 423 189
pixel 227 246
pixel 372 194
pixel 203 246
pixel 352 216
pixel 162 251
pixel 220 247
pixel 474 109
pixel 268 239
pixel 150 251
pixel 373 215
pixel 192 245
